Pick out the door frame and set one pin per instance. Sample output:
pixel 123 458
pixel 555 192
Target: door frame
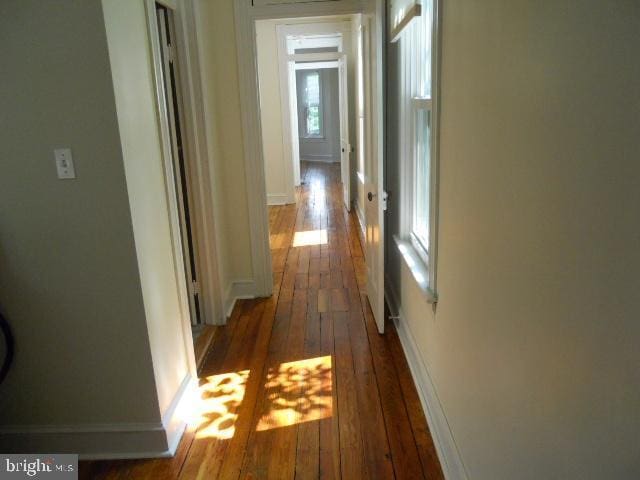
pixel 288 95
pixel 343 114
pixel 245 15
pixel 203 221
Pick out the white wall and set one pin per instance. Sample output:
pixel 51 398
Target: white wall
pixel 218 61
pixel 136 104
pixel 533 347
pixel 271 110
pixel 87 376
pixel 327 148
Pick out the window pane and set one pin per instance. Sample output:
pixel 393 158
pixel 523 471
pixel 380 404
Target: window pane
pixel 422 181
pixel 313 120
pixel 312 96
pixel 313 89
pixel 424 36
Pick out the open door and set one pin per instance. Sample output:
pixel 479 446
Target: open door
pixel 345 146
pixel 173 104
pixel 371 49
pixel 293 115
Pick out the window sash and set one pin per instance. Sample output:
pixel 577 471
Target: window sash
pixel 418 136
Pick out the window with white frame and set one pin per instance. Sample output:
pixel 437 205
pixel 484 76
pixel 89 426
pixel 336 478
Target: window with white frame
pixel 313 124
pixel 418 135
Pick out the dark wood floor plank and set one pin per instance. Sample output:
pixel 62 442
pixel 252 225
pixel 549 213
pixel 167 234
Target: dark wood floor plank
pixel 422 435
pixel 329 427
pixel 406 460
pixel 233 459
pixel 352 461
pixel 314 393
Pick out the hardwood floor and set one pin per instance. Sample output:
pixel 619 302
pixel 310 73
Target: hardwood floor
pixel 301 385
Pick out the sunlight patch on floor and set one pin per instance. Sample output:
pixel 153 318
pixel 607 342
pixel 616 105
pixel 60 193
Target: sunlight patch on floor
pixel 298 392
pixel 220 399
pixel 310 237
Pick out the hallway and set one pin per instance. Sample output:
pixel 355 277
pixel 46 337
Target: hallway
pixel 301 385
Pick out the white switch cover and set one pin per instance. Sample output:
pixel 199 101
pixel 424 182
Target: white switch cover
pixel 64 163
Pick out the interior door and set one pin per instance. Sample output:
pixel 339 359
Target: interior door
pixel 173 105
pixel 293 115
pixel 345 147
pixel 373 165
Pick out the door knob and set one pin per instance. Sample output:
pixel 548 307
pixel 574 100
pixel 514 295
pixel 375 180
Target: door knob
pixel 371 195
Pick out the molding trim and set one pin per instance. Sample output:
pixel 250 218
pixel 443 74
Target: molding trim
pixel 320 158
pixel 106 441
pixel 438 424
pixel 205 223
pixel 173 419
pixel 237 290
pixel 278 199
pixel 90 441
pixel 414 11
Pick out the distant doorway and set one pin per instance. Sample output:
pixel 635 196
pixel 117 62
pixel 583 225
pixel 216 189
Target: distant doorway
pixel 303 71
pixel 318 98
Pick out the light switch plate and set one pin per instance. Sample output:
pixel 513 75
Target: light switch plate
pixel 64 163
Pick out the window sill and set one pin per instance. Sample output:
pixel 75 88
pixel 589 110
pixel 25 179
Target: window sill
pixel 417 267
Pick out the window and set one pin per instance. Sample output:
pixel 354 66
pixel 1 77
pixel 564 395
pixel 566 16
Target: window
pixel 418 132
pixel 313 127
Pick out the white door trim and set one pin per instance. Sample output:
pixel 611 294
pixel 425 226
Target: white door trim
pixel 289 109
pixel 245 15
pixel 288 90
pixel 172 199
pixel 204 222
pixel 345 141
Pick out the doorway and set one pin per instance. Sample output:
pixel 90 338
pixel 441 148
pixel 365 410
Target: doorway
pixel 304 69
pixel 264 137
pixel 179 164
pixel 318 112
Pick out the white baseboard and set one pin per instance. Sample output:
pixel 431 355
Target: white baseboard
pixel 105 441
pixel 278 199
pixel 174 419
pixel 100 441
pixel 446 448
pixel 237 290
pixel 320 158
